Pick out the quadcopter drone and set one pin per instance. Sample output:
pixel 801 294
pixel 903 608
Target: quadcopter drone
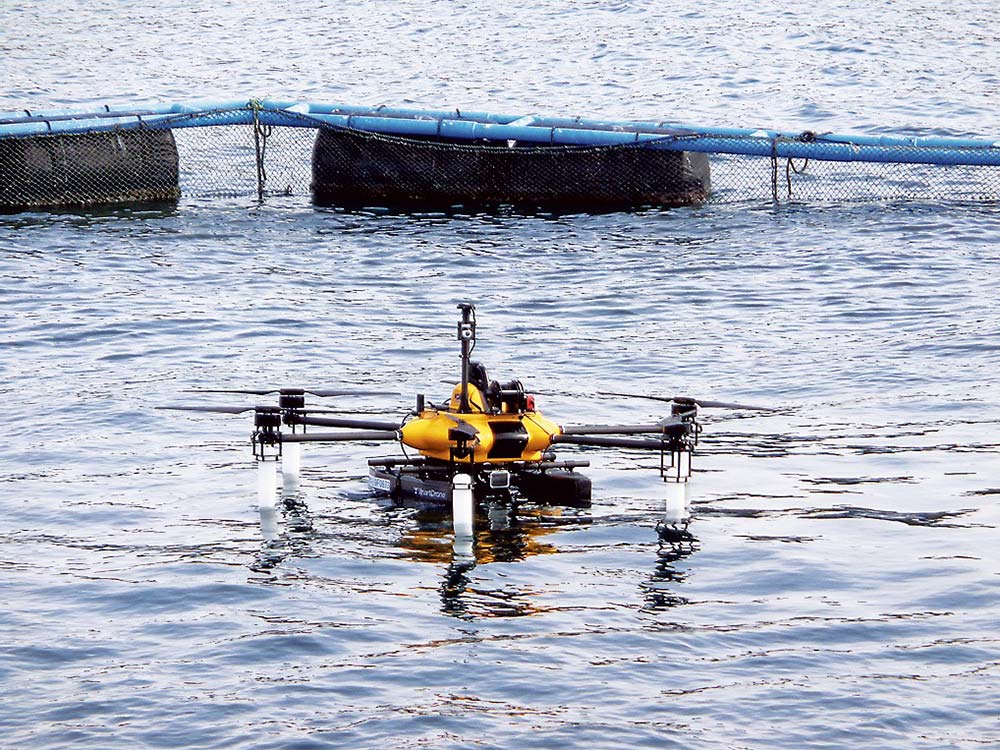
pixel 487 440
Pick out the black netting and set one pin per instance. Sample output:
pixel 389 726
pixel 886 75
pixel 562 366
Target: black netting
pixel 348 167
pixel 352 167
pixel 754 178
pixel 89 168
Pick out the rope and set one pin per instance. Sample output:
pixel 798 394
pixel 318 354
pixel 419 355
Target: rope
pixel 789 168
pixel 774 170
pixel 261 133
pixel 807 137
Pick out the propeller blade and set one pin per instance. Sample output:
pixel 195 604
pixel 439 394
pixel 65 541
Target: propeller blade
pixel 685 400
pixel 211 409
pixel 243 391
pixel 321 392
pixel 727 405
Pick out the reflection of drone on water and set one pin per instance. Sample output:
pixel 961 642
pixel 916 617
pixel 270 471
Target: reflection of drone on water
pixel 505 533
pixel 489 441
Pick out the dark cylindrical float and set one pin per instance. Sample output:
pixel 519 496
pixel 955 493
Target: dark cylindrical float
pixel 103 167
pixel 358 168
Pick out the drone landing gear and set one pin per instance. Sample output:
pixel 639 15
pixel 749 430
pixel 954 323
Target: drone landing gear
pixel 270 466
pixel 675 503
pixel 266 442
pixel 675 473
pixel 271 450
pixel 267 486
pixel 463 510
pixel 291 466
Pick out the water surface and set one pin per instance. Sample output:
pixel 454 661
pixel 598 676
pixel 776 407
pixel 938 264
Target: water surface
pixel 837 584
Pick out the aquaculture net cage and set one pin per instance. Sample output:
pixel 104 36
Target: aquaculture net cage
pixel 222 162
pixel 340 157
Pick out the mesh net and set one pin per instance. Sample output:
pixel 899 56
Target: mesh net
pixel 753 178
pixel 221 160
pixel 88 168
pixel 355 167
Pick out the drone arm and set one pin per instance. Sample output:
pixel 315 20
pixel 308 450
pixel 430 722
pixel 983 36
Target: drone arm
pixel 362 424
pixel 611 442
pixel 615 429
pixel 364 436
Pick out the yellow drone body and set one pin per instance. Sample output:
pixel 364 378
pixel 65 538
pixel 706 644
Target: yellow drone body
pixel 505 437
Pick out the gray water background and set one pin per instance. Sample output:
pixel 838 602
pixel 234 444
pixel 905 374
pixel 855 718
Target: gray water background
pixel 841 586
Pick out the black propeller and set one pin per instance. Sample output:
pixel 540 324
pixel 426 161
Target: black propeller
pixel 291 402
pixel 237 409
pixel 321 392
pixel 212 409
pixel 693 402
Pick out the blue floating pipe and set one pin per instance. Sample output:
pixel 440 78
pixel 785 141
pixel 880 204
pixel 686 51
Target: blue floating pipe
pixel 474 126
pixel 485 117
pixel 405 113
pixel 120 111
pixel 624 125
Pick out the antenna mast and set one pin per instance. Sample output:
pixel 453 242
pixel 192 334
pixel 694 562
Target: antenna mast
pixel 467 335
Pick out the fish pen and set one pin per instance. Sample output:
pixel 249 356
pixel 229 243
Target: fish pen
pixel 336 155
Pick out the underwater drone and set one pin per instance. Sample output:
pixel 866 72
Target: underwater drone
pixel 488 440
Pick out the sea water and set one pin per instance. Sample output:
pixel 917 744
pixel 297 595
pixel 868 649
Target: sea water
pixel 836 585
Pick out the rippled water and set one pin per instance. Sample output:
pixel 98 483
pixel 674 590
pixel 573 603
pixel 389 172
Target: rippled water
pixel 838 584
